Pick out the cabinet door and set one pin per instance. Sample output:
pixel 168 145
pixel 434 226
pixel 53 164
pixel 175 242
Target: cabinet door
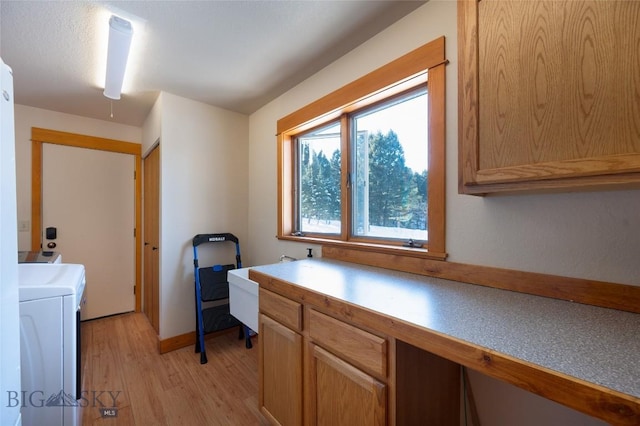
pixel 549 95
pixel 345 395
pixel 280 364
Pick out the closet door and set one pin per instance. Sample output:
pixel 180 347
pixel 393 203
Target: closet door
pixel 151 238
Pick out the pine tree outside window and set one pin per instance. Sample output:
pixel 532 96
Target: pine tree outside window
pixel 318 179
pixel 389 169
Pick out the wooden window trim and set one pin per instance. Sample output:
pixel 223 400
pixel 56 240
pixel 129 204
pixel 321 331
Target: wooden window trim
pixel 392 74
pixel 394 77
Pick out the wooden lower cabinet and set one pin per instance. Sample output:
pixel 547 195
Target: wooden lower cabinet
pixel 344 395
pixel 280 364
pixel 321 370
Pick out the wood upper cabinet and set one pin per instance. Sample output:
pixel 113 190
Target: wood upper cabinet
pixel 549 95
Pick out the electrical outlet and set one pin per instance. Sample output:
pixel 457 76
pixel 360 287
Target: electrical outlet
pixel 24 226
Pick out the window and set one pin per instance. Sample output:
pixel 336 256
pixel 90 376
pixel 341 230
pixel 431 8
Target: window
pixel 363 167
pixel 318 203
pixel 388 174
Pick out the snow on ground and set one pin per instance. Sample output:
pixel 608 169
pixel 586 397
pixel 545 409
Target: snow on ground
pixel 333 227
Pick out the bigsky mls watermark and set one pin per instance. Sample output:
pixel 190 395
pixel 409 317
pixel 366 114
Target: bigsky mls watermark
pixel 104 400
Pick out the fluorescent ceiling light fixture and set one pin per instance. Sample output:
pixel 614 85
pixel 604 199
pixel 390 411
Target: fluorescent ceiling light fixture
pixel 120 34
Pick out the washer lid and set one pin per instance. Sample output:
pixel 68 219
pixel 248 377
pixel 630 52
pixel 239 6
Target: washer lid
pixel 43 280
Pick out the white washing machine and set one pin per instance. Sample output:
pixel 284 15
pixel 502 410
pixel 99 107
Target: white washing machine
pixel 50 300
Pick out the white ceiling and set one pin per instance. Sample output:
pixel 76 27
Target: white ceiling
pixel 238 55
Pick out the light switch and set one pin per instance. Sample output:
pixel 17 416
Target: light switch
pixel 24 226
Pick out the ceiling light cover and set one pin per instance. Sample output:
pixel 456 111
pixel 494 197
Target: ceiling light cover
pixel 120 33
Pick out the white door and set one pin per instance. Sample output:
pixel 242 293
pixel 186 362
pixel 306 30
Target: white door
pixel 88 196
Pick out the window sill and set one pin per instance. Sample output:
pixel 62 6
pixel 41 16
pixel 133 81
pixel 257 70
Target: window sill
pixel 368 247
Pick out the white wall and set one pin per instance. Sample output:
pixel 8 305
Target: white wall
pixel 152 127
pixel 28 117
pixel 204 181
pixel 591 235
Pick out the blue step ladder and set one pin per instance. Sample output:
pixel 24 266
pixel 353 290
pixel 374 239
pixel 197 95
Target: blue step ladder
pixel 211 284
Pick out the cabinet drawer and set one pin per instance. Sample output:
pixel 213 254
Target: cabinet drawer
pixel 363 348
pixel 283 310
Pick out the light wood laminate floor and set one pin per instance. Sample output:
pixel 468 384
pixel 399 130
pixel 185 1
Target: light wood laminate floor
pixel 121 363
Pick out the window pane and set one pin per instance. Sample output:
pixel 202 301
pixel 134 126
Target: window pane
pixel 390 170
pixel 319 174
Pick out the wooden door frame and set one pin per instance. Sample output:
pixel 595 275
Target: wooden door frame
pixel 40 136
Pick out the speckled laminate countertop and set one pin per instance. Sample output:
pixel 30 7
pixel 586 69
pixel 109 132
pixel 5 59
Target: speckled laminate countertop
pixel 597 345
